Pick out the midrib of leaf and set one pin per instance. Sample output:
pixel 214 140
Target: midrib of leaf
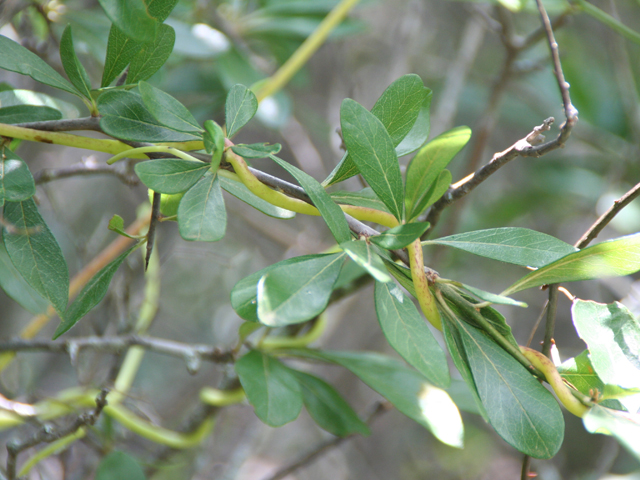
pixel 305 285
pixel 526 414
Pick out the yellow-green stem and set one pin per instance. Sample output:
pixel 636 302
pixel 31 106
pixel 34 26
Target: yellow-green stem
pixel 306 50
pixel 221 398
pixel 51 449
pixel 155 149
pixel 315 332
pixel 425 297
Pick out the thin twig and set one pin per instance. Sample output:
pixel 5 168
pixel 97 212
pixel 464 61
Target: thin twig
pixel 526 464
pixel 48 434
pixel 550 323
pixel 153 226
pixel 310 457
pixel 86 167
pixel 119 344
pixel 607 216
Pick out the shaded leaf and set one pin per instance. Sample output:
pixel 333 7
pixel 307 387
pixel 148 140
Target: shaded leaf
pixel 152 56
pixel 297 292
pixel 271 388
pixel 625 427
pixel 364 198
pixel 330 211
pixel 362 253
pixel 239 190
pixel 125 116
pixel 244 295
pixel 120 51
pixel 426 166
pixel 419 133
pixel 16 181
pixel 169 175
pixel 28 113
pixel 400 236
pixel 256 150
pixel 167 110
pixel 612 258
pixel 72 66
pixel 372 151
pixel 405 388
pixel 519 246
pixel 407 332
pixel 117 466
pixel 328 409
pixel 520 409
pixel 612 334
pixel 240 107
pixel 202 216
pixel 92 293
pixel 16 58
pixel 35 253
pixel 160 9
pixel 132 17
pixel 16 287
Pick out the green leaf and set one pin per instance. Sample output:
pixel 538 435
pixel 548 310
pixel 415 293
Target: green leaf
pixel 613 258
pixel 160 9
pixel 372 151
pixel 330 211
pixel 407 332
pixel 92 293
pixel 72 66
pixel 16 181
pixel 298 292
pixel 213 138
pixel 362 253
pixel 612 334
pixel 125 116
pixel 271 388
pixel 400 236
pixel 239 190
pixel 364 198
pixel 202 216
pixel 405 388
pixel 328 409
pixel 120 51
pixel 11 98
pixel 152 56
pixel 256 150
pixel 426 166
pixel 116 224
pixel 167 110
pixel 520 409
pixel 403 109
pixel 240 107
pixel 244 295
pixel 16 58
pixel 435 192
pixel 579 372
pixel 625 427
pixel 17 288
pixel 419 133
pixel 28 113
pixel 118 465
pixel 519 246
pixel 132 17
pixel 35 253
pixel 169 175
pixel 399 106
pixel 492 297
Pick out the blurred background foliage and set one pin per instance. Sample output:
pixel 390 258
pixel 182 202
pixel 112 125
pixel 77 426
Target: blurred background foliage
pixel 462 51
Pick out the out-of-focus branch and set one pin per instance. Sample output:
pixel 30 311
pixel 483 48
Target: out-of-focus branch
pixel 87 167
pixel 48 435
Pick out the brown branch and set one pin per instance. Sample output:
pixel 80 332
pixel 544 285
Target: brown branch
pixel 49 435
pixel 317 452
pixel 607 216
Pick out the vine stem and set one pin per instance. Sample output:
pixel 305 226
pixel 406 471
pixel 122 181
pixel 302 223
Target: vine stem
pixel 305 50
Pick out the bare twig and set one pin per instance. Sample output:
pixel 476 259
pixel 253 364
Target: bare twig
pixel 310 457
pixel 526 465
pixel 550 324
pixel 87 167
pixel 153 225
pixel 607 216
pixel 48 434
pixel 119 344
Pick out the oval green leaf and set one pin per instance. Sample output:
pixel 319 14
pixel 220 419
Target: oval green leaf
pixel 72 66
pixel 16 181
pixel 167 110
pixel 15 286
pixel 152 56
pixel 256 150
pixel 613 258
pixel 28 113
pixel 297 292
pixel 168 175
pixel 202 216
pixel 119 465
pixel 373 152
pixel 271 388
pixel 407 332
pixel 400 236
pixel 240 107
pixel 132 17
pixel 519 246
pixel 120 51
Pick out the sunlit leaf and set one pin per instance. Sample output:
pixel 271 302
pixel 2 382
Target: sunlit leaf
pixel 364 255
pixel 625 427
